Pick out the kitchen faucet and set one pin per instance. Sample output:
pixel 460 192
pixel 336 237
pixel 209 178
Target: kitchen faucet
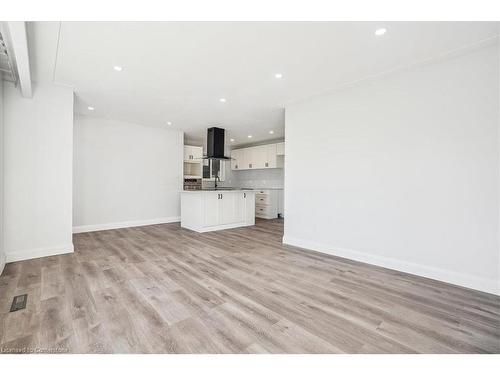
pixel 216 178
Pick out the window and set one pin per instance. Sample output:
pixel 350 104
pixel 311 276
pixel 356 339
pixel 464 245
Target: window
pixel 212 168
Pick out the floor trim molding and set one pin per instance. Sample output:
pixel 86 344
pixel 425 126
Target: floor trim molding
pixel 16 256
pixel 2 261
pixel 125 224
pixel 468 281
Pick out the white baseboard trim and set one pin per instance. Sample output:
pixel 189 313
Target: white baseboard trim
pixel 468 281
pixel 217 227
pixel 124 224
pixel 14 256
pixel 2 262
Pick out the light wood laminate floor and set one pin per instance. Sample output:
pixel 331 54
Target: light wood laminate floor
pixel 164 289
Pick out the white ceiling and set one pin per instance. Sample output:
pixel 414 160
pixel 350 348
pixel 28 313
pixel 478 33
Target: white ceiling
pixel 178 71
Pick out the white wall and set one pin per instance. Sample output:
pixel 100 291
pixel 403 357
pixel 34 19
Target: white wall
pixel 125 174
pixel 2 252
pixel 402 171
pixel 38 140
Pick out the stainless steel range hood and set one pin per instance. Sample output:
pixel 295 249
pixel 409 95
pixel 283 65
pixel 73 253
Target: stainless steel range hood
pixel 216 144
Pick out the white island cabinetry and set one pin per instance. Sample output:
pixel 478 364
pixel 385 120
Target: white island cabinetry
pixel 209 210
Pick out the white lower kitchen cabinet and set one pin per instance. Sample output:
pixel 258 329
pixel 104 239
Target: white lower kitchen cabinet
pixel 267 203
pixel 209 210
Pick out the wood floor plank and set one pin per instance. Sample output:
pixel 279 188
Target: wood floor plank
pixel 165 289
pixel 118 323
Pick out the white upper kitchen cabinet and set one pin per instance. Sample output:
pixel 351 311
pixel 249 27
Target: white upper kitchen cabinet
pixel 193 154
pixel 260 158
pixel 237 160
pixel 270 153
pixel 257 157
pixel 249 157
pixel 280 149
pixel 193 162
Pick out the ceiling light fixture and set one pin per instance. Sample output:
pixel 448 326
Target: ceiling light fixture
pixel 249 135
pixel 169 123
pixel 271 131
pixel 380 31
pixel 90 108
pixel 222 100
pixel 278 75
pixel 232 139
pixel 117 68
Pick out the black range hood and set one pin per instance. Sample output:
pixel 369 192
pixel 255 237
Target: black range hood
pixel 215 144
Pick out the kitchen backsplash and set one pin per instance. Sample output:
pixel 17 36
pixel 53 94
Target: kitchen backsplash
pixel 259 178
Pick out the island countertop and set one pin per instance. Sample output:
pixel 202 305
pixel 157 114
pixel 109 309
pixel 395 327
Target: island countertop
pixel 220 190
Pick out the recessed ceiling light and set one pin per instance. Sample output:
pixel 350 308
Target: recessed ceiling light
pixel 90 108
pixel 169 123
pixel 278 75
pixel 222 100
pixel 380 31
pixel 271 131
pixel 249 135
pixel 117 68
pixel 232 139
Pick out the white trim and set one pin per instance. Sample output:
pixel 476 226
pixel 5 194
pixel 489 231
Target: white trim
pixel 2 262
pixel 218 227
pixel 19 45
pixel 38 253
pixel 468 281
pixel 125 224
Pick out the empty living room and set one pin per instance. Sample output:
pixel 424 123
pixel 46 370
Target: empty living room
pixel 233 184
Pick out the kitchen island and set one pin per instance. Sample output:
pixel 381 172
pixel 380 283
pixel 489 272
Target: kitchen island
pixel 216 209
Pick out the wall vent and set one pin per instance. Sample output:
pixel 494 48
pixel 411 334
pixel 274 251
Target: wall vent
pixel 19 302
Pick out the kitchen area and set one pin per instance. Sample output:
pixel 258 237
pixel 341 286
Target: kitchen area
pixel 228 187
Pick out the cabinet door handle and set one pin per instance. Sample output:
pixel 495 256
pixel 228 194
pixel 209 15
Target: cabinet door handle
pixel 221 196
pixel 244 195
